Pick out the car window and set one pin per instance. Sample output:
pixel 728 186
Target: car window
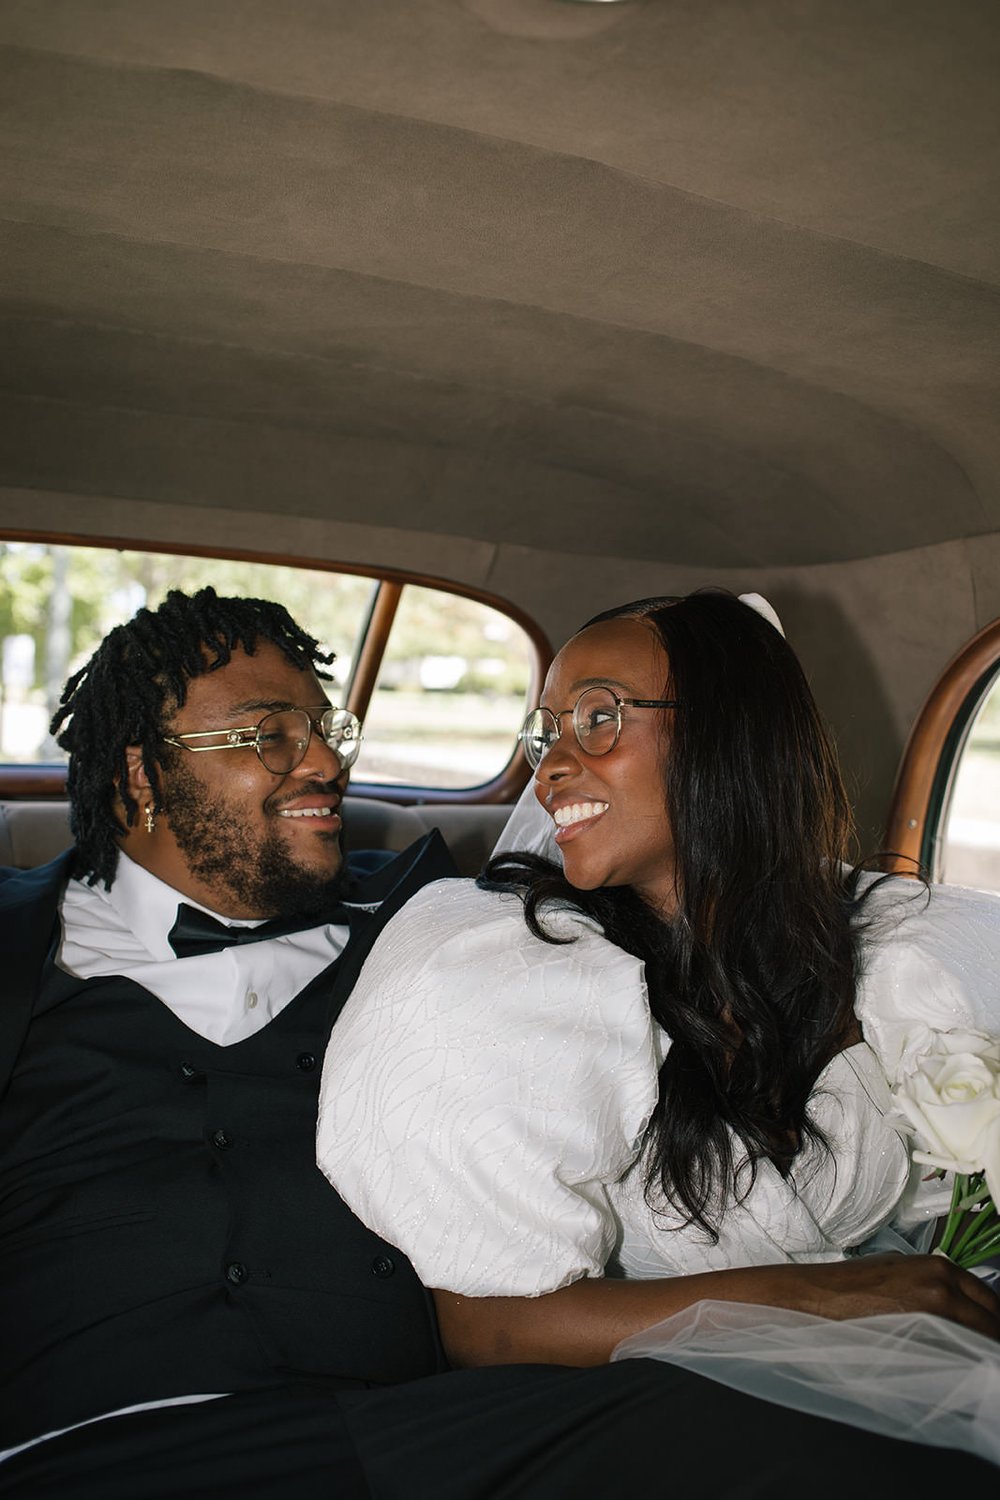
pixel 442 696
pixel 450 694
pixel 945 813
pixel 970 844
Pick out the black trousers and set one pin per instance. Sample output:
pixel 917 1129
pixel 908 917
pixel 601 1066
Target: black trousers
pixel 510 1433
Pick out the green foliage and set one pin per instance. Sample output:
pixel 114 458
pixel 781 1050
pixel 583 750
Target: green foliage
pixel 107 587
pixel 25 584
pixel 468 664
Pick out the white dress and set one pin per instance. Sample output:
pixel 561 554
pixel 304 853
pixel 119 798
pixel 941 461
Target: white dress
pixel 485 1093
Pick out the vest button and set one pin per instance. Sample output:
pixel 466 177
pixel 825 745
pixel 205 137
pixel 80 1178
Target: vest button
pixel 306 1061
pixel 222 1140
pixel 383 1266
pixel 236 1273
pixel 188 1072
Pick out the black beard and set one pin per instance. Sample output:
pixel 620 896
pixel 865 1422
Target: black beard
pixel 257 871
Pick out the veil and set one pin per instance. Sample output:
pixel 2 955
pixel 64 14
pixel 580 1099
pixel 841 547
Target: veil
pixel 529 829
pixel 905 1375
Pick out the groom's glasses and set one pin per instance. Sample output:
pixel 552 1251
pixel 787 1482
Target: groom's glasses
pixel 281 739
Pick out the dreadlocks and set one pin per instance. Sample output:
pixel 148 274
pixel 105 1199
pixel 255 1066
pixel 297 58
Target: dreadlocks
pixel 136 677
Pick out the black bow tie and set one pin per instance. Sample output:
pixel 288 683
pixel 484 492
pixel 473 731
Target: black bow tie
pixel 196 932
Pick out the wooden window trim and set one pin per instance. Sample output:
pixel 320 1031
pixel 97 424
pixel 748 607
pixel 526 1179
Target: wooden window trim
pixel 31 781
pixel 933 749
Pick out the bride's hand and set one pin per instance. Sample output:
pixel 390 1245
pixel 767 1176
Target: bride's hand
pixel 868 1284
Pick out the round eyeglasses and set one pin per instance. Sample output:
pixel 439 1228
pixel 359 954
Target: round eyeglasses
pixel 281 739
pixel 596 718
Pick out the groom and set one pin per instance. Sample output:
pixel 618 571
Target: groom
pixel 186 1307
pixel 170 986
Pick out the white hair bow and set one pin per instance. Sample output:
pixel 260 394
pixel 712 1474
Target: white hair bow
pixel 766 611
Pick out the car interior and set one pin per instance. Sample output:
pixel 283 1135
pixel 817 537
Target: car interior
pixel 545 304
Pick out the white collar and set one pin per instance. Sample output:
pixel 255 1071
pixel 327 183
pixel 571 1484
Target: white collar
pixel 147 906
pixel 224 996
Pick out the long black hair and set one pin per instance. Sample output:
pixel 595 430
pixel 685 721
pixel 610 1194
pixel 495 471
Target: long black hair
pixel 136 677
pixel 753 977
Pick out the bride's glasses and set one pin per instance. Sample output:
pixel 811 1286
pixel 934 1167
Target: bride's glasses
pixel 597 723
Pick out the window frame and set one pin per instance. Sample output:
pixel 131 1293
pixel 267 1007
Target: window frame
pixel 922 794
pixel 21 782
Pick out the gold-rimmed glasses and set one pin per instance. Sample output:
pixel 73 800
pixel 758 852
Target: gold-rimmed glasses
pixel 281 739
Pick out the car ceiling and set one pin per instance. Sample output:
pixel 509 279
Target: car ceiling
pixel 712 282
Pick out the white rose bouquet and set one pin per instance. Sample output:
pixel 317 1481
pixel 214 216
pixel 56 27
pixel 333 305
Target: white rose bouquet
pixel 949 1101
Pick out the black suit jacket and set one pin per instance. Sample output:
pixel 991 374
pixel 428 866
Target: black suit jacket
pixel 29 904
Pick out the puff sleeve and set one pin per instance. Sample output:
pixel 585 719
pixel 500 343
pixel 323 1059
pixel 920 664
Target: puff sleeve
pixel 931 962
pixel 482 1087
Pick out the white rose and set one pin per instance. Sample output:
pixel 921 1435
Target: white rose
pixel 991 1159
pixel 951 1103
pixel 900 1045
pixel 975 1042
pixel 903 1045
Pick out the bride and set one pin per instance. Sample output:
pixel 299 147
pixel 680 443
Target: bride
pixel 642 1074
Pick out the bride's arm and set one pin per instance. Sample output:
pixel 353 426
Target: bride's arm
pixel 582 1323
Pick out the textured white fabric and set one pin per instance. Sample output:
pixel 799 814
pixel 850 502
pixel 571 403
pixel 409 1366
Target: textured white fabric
pixel 832 1201
pixel 484 1092
pixel 933 964
pixel 479 1088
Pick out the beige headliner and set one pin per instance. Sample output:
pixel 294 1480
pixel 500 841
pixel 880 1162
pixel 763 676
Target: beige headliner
pixel 708 288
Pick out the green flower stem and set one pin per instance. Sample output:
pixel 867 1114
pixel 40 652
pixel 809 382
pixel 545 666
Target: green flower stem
pixel 952 1221
pixel 983 1253
pixel 980 1194
pixel 971 1233
pixel 983 1224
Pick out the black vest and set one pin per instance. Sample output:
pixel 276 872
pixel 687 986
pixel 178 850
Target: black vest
pixel 165 1228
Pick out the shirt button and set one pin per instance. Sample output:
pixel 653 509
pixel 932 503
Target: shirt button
pixel 236 1273
pixel 251 999
pixel 222 1140
pixel 383 1266
pixel 306 1061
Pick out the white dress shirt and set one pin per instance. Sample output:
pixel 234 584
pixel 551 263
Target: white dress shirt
pixel 224 996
